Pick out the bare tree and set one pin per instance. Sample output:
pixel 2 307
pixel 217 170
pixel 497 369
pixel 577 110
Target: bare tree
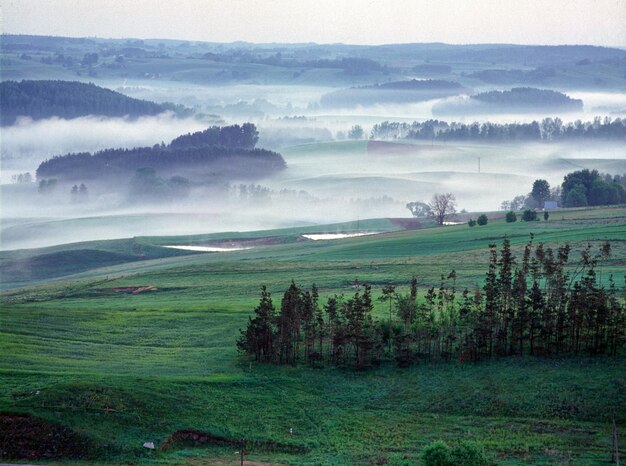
pixel 442 205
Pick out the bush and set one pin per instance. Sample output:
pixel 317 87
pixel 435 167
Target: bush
pixel 546 216
pixel 465 453
pixel 468 454
pixel 436 454
pixel 529 215
pixel 482 219
pixel 511 217
pixel 472 222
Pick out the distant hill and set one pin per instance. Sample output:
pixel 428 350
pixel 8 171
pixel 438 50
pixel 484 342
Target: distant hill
pixel 192 155
pixel 67 99
pixel 396 92
pixel 516 100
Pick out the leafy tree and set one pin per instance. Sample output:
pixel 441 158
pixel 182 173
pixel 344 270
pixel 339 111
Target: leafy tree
pixel 259 337
pixel 529 215
pixel 540 192
pixel 442 205
pixel 472 222
pixel 419 209
pixel 511 217
pixel 389 292
pixel 546 215
pixel 576 197
pixel 482 220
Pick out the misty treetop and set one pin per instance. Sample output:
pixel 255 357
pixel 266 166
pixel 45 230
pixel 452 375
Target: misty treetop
pixel 528 97
pixel 243 137
pixel 546 130
pixel 190 155
pixel 68 99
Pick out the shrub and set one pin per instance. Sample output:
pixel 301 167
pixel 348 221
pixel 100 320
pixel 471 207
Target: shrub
pixel 482 219
pixel 436 454
pixel 472 222
pixel 465 453
pixel 546 216
pixel 511 217
pixel 468 454
pixel 529 215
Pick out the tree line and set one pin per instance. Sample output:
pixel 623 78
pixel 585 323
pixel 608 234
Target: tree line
pixel 537 304
pixel 548 129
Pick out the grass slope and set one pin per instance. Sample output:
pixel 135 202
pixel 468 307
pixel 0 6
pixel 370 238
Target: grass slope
pixel 121 368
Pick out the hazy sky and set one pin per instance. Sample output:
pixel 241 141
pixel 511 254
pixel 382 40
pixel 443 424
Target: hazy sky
pixel 598 22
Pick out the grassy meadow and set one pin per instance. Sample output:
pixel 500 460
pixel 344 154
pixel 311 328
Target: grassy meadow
pixel 121 369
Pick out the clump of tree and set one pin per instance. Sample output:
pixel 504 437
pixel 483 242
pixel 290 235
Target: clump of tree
pixel 22 178
pixel 47 186
pixel 538 304
pixel 342 332
pixel 589 188
pixel 79 194
pixel 482 220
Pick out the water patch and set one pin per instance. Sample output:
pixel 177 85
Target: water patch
pixel 205 248
pixel 327 236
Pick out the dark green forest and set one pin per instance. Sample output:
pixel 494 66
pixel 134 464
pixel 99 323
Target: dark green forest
pixel 68 99
pixel 538 304
pixel 223 152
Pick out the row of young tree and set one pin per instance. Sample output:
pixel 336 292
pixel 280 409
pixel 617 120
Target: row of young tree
pixel 538 304
pixel 548 129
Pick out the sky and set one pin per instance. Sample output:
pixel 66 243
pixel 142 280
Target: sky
pixel 549 22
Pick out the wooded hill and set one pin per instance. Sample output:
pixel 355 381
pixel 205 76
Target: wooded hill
pixel 224 153
pixel 68 99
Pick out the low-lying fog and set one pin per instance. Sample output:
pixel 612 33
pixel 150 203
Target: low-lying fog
pixel 328 177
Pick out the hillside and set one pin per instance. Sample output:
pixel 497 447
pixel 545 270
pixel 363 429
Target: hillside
pixel 151 357
pixel 392 93
pixel 516 100
pixel 67 99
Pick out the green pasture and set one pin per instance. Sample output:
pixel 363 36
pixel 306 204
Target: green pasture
pixel 122 368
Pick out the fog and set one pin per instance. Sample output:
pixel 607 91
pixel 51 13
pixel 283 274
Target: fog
pixel 328 177
pixel 28 143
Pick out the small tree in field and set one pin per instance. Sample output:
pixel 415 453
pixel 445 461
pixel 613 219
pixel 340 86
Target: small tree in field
pixel 546 216
pixel 472 222
pixel 511 217
pixel 482 219
pixel 529 215
pixel 442 205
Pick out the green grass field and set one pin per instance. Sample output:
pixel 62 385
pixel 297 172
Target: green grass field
pixel 121 369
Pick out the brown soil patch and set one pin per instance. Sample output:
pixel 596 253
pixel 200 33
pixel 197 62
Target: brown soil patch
pixel 31 438
pixel 407 223
pixel 134 289
pixel 244 243
pixel 197 438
